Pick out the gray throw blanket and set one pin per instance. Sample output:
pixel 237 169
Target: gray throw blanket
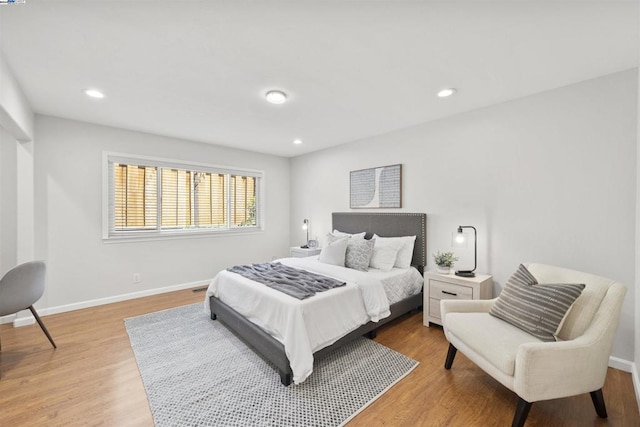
pixel 297 283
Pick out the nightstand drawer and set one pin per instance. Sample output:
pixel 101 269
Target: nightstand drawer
pixel 443 290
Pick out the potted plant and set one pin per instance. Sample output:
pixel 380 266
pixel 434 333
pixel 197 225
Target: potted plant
pixel 444 261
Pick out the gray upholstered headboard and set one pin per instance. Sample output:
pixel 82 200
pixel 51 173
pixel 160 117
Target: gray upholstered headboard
pixel 387 225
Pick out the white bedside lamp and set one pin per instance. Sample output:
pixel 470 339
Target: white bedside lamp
pixel 305 226
pixel 459 241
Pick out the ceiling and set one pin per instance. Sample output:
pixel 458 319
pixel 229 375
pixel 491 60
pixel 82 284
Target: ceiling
pixel 198 70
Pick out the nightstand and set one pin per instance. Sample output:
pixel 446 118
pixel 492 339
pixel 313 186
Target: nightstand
pixel 298 252
pixel 449 286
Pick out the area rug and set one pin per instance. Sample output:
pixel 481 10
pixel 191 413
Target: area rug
pixel 198 373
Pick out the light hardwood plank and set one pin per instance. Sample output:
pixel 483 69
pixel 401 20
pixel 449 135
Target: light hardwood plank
pixel 92 378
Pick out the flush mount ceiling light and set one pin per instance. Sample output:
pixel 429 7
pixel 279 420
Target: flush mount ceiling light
pixel 297 141
pixel 446 92
pixel 276 96
pixel 93 93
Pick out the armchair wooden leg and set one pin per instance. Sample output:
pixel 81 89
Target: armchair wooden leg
pixel 451 354
pixel 44 328
pixel 522 411
pixel 598 402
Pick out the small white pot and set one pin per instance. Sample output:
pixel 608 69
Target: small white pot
pixel 443 270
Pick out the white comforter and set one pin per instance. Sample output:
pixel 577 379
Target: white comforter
pixel 305 326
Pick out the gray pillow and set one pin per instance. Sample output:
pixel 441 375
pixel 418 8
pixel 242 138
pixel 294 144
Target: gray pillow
pixel 535 308
pixel 359 253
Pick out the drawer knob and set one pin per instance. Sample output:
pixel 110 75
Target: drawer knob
pixel 450 293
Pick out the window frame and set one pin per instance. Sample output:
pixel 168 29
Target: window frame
pixel 110 235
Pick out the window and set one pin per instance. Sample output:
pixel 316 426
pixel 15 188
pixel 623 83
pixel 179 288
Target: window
pixel 155 197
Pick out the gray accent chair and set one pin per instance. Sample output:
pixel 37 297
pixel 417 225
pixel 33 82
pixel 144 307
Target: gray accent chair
pixel 20 288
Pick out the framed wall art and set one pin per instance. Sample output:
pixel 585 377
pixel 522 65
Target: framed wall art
pixel 379 187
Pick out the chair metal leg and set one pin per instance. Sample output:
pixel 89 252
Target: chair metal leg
pixel 44 328
pixel 522 411
pixel 598 402
pixel 451 354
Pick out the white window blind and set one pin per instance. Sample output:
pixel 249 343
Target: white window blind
pixel 148 197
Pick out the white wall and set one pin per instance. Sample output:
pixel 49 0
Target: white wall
pixel 25 204
pixel 16 116
pixel 635 373
pixel 549 178
pixel 8 200
pixel 68 215
pixel 16 124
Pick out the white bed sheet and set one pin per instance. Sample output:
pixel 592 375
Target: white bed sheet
pixel 306 326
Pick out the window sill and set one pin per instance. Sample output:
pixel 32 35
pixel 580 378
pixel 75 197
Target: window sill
pixel 132 238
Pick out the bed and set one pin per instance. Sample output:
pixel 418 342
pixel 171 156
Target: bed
pixel 284 327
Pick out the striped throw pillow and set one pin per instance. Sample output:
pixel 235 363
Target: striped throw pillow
pixel 535 308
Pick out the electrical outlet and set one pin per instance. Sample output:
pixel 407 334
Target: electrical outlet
pixel 136 277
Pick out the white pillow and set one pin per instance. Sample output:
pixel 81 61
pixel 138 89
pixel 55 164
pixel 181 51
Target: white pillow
pixel 337 233
pixel 405 253
pixel 385 252
pixel 334 252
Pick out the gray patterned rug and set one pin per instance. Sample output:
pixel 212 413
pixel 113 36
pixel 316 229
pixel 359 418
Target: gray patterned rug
pixel 197 373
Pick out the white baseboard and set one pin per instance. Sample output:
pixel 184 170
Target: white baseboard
pixel 24 321
pixel 8 319
pixel 622 364
pixel 28 320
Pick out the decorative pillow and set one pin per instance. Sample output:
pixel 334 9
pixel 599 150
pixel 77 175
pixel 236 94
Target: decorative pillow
pixel 405 253
pixel 535 308
pixel 332 238
pixel 384 254
pixel 337 233
pixel 359 253
pixel 334 252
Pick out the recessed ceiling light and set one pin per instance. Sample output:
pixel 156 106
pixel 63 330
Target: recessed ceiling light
pixel 94 93
pixel 297 141
pixel 276 96
pixel 446 92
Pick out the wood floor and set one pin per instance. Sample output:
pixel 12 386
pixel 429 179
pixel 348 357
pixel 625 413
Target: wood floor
pixel 92 378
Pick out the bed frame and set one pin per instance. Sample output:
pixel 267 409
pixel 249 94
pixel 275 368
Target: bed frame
pixel 383 224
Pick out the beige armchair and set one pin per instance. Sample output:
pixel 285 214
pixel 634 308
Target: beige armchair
pixel 533 369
